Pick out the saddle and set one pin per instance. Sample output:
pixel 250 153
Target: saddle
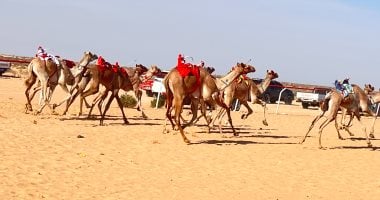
pixel 104 66
pixel 69 63
pixel 187 69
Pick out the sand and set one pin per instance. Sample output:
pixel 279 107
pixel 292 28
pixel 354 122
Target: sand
pixel 50 156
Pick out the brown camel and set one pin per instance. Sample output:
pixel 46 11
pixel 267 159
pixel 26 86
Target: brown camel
pixel 136 75
pixel 47 72
pixel 243 90
pixel 113 81
pixel 333 101
pixel 69 76
pixel 372 99
pixel 205 89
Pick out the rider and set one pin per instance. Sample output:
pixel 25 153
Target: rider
pixel 343 86
pixel 43 55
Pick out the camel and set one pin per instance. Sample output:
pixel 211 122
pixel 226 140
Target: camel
pixel 136 75
pixel 243 90
pixel 374 98
pixel 206 88
pixel 47 72
pixel 69 76
pixel 333 101
pixel 113 81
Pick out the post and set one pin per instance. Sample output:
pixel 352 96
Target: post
pixel 158 99
pixel 279 98
pixel 236 104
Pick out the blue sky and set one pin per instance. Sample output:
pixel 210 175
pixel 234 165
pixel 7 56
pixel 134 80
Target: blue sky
pixel 305 41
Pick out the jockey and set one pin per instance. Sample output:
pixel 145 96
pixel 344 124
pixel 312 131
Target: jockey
pixel 343 86
pixel 180 60
pixel 43 55
pixel 202 64
pixel 41 52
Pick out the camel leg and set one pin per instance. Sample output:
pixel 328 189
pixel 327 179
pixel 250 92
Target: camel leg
pixel 220 117
pixel 194 110
pixel 120 106
pixel 347 126
pixel 230 121
pixel 35 90
pixel 337 129
pixel 44 90
pixel 321 127
pixel 29 83
pixel 250 111
pixel 98 99
pixel 178 104
pixel 92 90
pixel 357 115
pixel 169 108
pixel 264 105
pixel 315 120
pixel 67 98
pixel 106 109
pixel 138 94
pixel 371 133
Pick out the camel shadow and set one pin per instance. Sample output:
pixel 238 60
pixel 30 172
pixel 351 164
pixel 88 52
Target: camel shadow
pixel 356 147
pixel 237 142
pixel 270 136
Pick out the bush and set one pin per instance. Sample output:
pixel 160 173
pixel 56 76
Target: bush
pixel 128 101
pixel 161 102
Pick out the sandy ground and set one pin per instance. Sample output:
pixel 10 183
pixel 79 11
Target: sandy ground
pixel 42 157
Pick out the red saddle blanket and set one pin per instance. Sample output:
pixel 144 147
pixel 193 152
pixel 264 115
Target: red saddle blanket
pixel 190 70
pixel 69 63
pixel 105 66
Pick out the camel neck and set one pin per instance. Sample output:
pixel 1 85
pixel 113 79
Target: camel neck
pixel 264 84
pixel 223 82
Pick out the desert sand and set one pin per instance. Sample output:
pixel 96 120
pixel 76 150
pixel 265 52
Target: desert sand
pixel 50 156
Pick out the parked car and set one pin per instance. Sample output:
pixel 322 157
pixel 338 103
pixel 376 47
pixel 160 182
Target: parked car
pixel 4 66
pixel 272 93
pixel 311 98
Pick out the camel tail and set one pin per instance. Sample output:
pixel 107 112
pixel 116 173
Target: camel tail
pixel 31 76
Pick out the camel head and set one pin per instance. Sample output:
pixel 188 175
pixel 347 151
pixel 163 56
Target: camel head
pixel 368 88
pixel 272 74
pixel 244 68
pixel 140 69
pixel 87 58
pixel 210 70
pixel 153 70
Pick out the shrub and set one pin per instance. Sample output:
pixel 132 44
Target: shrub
pixel 161 102
pixel 128 101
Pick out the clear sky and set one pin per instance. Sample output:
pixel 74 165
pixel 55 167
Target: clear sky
pixel 305 41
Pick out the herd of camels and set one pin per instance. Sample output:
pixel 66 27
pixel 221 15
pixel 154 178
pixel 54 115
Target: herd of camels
pixel 85 78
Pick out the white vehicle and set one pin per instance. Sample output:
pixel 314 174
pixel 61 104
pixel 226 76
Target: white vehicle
pixel 311 98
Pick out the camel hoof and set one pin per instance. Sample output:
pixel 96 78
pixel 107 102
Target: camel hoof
pixel 138 109
pixel 369 145
pixel 243 116
pixel 371 135
pixel 236 134
pixel 126 122
pixel 265 122
pixel 54 106
pixel 187 141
